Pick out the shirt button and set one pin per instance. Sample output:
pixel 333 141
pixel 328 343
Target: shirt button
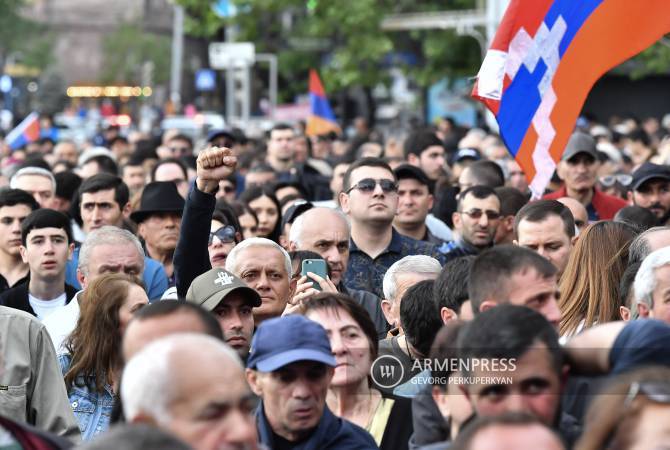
pixel 75 404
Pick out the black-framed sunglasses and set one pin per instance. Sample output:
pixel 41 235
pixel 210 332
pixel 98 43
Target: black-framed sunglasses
pixel 225 234
pixel 623 179
pixel 478 213
pixel 368 185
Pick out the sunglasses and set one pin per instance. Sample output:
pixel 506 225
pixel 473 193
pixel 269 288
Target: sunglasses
pixel 368 185
pixel 478 213
pixel 623 179
pixel 225 234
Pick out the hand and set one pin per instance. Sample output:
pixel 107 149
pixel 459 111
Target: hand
pixel 305 288
pixel 213 165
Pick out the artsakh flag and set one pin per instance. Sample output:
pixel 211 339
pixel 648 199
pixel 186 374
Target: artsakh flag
pixel 545 58
pixel 25 132
pixel 321 119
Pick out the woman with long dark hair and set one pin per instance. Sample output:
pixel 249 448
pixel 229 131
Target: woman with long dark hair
pixel 262 200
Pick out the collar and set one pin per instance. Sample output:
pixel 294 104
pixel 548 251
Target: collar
pixel 394 246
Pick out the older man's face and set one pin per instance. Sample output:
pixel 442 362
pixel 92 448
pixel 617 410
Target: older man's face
pixel 108 258
pixel 39 187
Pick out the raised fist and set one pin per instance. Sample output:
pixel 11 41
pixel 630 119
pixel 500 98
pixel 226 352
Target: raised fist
pixel 213 165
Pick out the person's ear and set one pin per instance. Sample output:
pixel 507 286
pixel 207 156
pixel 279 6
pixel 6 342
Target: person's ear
pixel 624 313
pixel 560 170
pixel 643 310
pixel 126 210
pixel 292 246
pixel 573 240
pixel 141 229
pixel 81 278
pixel 344 202
pixel 515 242
pixel 144 418
pixel 486 305
pixel 70 250
pixel 22 252
pixel 440 399
pixel 253 380
pixel 431 202
pixel 629 197
pixel 447 314
pixel 387 310
pixel 413 159
pixel 456 219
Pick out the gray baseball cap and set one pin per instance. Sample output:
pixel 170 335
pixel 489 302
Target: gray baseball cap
pixel 580 142
pixel 210 288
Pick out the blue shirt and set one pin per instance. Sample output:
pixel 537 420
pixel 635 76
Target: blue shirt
pixel 367 274
pixel 154 276
pixel 92 409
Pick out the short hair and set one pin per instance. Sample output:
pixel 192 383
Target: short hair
pixel 169 307
pixel 162 162
pixel 232 262
pixel 421 264
pixel 645 279
pixel 107 235
pixel 445 348
pixel 508 332
pixel 639 246
pixel 479 192
pixel 103 182
pixel 364 162
pixel 451 286
pixel 45 218
pixel 67 184
pixel 511 200
pixel 225 214
pixel 636 216
pixel 295 235
pixel 466 438
pixel 417 142
pixel 182 137
pixel 626 290
pixel 279 127
pixel 13 183
pixel 418 316
pixel 135 437
pixel 146 385
pixel 334 301
pixel 487 173
pixel 639 135
pixel 493 267
pixel 540 210
pixel 13 197
pixel 105 163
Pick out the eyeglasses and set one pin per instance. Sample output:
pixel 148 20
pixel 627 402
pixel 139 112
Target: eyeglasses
pixel 179 149
pixel 367 185
pixel 478 213
pixel 623 179
pixel 225 234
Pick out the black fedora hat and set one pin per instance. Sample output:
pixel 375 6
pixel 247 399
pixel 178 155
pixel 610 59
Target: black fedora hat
pixel 158 197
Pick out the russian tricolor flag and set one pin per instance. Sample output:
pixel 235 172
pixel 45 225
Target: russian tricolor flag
pixel 25 132
pixel 544 60
pixel 321 119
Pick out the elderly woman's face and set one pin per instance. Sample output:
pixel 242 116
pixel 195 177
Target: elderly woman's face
pixel 349 344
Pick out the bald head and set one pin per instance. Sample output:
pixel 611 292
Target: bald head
pixel 326 232
pixel 578 212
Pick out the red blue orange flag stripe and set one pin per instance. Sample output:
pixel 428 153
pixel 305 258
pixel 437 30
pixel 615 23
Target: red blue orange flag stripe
pixel 321 119
pixel 25 132
pixel 545 58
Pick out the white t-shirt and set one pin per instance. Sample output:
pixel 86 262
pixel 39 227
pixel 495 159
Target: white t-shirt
pixel 45 307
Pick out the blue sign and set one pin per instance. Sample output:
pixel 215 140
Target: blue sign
pixel 224 8
pixel 451 98
pixel 205 80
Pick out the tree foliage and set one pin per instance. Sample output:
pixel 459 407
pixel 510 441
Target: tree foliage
pixel 19 39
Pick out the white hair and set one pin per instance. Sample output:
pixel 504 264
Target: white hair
pixel 107 235
pixel 645 280
pixel 419 264
pixel 147 386
pixel 231 259
pixel 295 235
pixel 14 182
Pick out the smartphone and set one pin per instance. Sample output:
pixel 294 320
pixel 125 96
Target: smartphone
pixel 316 266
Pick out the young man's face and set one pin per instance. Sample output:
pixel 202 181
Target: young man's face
pixel 46 252
pixel 548 238
pixel 99 209
pixel 477 219
pixel 653 195
pixel 376 206
pixel 579 172
pixel 432 161
pixel 414 202
pixel 11 218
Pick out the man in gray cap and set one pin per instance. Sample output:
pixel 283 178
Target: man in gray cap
pixel 578 169
pixel 231 301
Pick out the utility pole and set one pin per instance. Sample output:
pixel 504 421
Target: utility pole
pixel 177 52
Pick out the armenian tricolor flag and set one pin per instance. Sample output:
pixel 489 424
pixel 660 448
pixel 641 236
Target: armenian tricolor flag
pixel 25 132
pixel 544 60
pixel 321 119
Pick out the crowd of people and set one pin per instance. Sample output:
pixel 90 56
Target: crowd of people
pixel 157 293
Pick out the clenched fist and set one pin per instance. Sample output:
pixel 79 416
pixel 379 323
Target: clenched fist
pixel 213 165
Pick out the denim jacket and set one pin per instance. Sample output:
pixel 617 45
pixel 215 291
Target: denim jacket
pixel 92 409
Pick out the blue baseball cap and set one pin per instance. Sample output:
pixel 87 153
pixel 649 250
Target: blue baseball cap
pixel 284 340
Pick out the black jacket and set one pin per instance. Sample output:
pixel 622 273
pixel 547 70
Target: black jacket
pixel 17 297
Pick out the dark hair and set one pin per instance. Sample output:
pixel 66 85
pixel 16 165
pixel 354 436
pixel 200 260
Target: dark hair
pixel 13 197
pixel 626 285
pixel 67 184
pixel 34 160
pixel 169 307
pixel 69 165
pixel 105 163
pixel 255 192
pixel 261 167
pixel 487 173
pixel 298 256
pixel 279 127
pixel 365 162
pixel 508 332
pixel 284 184
pixel 183 138
pixel 224 213
pixel 636 216
pixel 466 438
pixel 162 162
pixel 419 317
pixel 639 135
pixel 511 200
pixel 451 286
pixel 134 161
pixel 445 349
pixel 419 141
pixel 104 182
pixel 45 218
pixel 241 209
pixel 117 139
pixel 540 210
pixel 494 266
pixel 479 191
pixel 335 301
